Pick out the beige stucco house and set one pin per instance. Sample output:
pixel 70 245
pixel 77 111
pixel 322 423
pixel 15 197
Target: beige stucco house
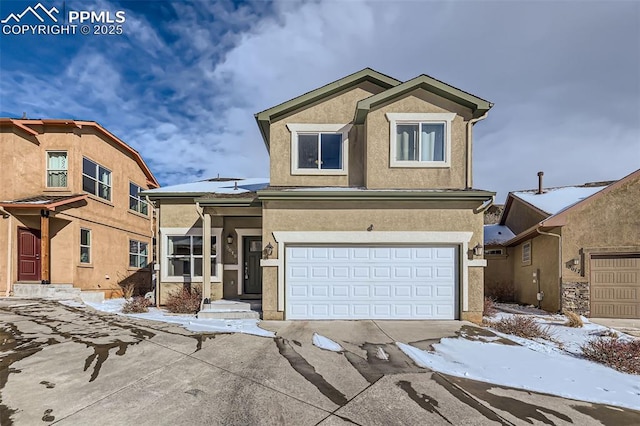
pixel 369 211
pixel 571 248
pixel 70 209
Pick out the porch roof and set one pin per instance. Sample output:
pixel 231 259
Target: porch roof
pixel 49 202
pixel 216 187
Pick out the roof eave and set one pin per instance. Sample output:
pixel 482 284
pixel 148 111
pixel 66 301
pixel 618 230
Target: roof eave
pixel 478 105
pixel 480 196
pixel 265 117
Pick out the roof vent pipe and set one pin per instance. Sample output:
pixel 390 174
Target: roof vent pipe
pixel 540 174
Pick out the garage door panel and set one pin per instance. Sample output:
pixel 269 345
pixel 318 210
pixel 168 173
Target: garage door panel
pixel 370 282
pixel 615 286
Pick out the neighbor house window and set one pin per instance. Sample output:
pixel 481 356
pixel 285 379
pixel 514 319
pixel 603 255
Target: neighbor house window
pixel 494 252
pixel 136 202
pixel 85 245
pixel 138 254
pixel 526 253
pixel 319 148
pixel 96 179
pixel 185 256
pixel 420 140
pixel 57 168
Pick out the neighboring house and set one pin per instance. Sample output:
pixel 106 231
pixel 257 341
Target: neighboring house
pixel 369 212
pixel 576 248
pixel 70 209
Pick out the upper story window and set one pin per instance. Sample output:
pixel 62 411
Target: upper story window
pixel 96 179
pixel 420 139
pixel 319 149
pixel 57 167
pixel 136 202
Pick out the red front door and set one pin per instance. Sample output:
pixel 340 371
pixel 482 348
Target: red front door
pixel 28 255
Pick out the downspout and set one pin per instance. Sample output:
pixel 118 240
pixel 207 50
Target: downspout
pixel 470 124
pixel 5 214
pixel 484 207
pixel 200 211
pixel 154 248
pixel 559 237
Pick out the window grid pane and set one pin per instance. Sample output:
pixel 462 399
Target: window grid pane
pixel 57 169
pixel 331 151
pixel 308 151
pixel 184 255
pixel 406 137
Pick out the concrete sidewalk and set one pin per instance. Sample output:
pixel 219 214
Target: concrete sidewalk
pixel 76 366
pixel 628 326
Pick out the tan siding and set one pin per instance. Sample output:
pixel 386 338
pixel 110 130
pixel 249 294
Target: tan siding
pixel 379 173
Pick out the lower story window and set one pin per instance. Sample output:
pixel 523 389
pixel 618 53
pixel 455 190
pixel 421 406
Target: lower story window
pixel 185 256
pixel 138 254
pixel 85 245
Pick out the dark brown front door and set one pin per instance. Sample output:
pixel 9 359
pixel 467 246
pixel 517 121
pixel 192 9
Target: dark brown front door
pixel 252 269
pixel 28 254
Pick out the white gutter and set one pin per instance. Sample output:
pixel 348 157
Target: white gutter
pixel 559 237
pixel 5 214
pixel 154 249
pixel 468 180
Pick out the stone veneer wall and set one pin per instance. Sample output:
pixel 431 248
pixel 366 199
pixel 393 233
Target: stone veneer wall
pixel 575 297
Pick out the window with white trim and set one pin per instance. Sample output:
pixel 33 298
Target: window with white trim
pixel 138 254
pixel 420 139
pixel 136 202
pixel 96 179
pixel 183 255
pixel 85 245
pixel 319 148
pixel 57 168
pixel 526 253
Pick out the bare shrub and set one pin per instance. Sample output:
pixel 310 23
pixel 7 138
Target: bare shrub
pixel 521 326
pixel 500 291
pixel 573 320
pixel 128 289
pixel 136 305
pixel 489 308
pixel 184 301
pixel 622 355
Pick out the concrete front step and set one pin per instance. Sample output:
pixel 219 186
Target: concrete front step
pixel 50 291
pixel 216 314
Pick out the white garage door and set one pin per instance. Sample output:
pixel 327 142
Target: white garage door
pixel 360 282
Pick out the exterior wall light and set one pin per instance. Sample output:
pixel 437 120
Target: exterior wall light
pixel 268 249
pixel 229 239
pixel 477 250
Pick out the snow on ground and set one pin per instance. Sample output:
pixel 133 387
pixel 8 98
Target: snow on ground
pixel 542 366
pixel 326 343
pixel 190 322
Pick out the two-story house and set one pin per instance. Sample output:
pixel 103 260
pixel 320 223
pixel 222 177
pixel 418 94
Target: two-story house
pixel 70 208
pixel 369 212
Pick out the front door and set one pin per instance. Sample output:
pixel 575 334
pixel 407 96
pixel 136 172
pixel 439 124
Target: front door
pixel 28 255
pixel 252 269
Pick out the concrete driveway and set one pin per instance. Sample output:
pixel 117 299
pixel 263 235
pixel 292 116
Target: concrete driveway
pixel 76 366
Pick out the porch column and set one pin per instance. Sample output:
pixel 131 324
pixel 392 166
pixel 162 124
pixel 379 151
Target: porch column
pixel 44 247
pixel 206 256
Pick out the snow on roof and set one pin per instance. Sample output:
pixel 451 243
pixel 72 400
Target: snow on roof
pixel 497 234
pixel 214 187
pixel 553 200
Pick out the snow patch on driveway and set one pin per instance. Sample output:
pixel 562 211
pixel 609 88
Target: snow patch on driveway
pixel 190 322
pixel 555 367
pixel 326 343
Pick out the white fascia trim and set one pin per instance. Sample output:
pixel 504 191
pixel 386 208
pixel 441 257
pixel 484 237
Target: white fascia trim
pixel 343 128
pixel 168 232
pixel 382 237
pixel 240 233
pixel 395 117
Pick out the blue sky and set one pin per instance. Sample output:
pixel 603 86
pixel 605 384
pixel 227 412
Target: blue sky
pixel 182 83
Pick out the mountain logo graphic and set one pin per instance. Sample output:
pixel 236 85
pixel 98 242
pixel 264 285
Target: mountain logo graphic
pixel 34 11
